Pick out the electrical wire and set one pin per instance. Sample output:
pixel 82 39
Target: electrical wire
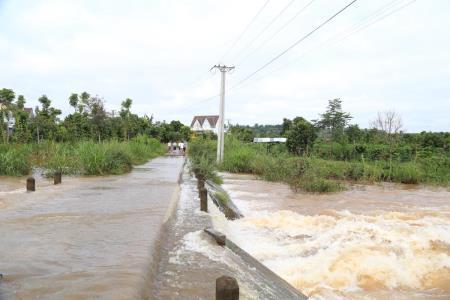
pixel 276 32
pixel 263 30
pixel 244 31
pixel 293 45
pixel 351 31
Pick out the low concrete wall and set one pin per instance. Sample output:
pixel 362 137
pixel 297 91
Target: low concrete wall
pixel 276 284
pixel 223 202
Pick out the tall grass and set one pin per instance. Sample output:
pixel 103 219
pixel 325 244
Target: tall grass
pixel 315 174
pixel 14 161
pixel 86 158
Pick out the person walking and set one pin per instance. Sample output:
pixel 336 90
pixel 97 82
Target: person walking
pixel 181 144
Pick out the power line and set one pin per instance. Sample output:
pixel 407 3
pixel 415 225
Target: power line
pixel 278 31
pixel 244 31
pixel 264 29
pixel 295 44
pixel 378 20
pixel 353 30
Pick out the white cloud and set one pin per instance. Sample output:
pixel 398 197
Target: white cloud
pixel 155 51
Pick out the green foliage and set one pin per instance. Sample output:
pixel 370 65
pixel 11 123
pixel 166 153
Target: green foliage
pixel 315 174
pixel 202 157
pixel 89 121
pixel 222 197
pixel 87 158
pixel 334 120
pixel 317 185
pixel 241 133
pixel 300 136
pixel 14 161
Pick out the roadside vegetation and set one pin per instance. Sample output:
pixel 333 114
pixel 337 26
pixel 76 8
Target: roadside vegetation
pixel 89 141
pixel 324 155
pixel 82 158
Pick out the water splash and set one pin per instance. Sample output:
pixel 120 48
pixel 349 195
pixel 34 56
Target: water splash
pixel 341 254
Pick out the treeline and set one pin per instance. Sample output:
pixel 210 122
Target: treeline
pixel 320 154
pixel 89 121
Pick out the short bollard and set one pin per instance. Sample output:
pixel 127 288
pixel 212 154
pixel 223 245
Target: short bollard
pixel 203 193
pixel 57 178
pixel 200 183
pixel 31 184
pixel 227 288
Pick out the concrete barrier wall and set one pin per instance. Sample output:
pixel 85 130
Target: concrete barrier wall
pixel 274 282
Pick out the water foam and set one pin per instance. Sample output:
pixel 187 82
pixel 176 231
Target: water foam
pixel 345 252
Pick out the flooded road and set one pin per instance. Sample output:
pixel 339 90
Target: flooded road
pixel 370 242
pixel 190 260
pixel 87 238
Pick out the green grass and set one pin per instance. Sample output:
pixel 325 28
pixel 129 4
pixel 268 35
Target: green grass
pixel 222 197
pixel 86 158
pixel 312 173
pixel 14 161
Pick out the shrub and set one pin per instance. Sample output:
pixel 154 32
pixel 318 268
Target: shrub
pixel 15 160
pixel 407 173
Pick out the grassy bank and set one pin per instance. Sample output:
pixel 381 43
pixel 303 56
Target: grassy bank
pixel 312 173
pixel 86 158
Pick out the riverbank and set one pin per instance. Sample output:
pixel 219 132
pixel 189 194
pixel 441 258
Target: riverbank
pixel 82 158
pixel 368 242
pixel 311 173
pixel 90 237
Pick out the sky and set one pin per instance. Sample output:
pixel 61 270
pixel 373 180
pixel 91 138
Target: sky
pixel 159 54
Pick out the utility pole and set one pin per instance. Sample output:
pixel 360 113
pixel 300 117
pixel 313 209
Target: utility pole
pixel 220 134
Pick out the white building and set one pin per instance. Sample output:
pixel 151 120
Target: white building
pixel 204 123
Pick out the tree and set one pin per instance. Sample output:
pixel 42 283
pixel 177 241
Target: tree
pixel 7 96
pixel 334 120
pixel 242 133
pixel 97 115
pixel 286 126
pixel 73 101
pixel 300 136
pixel 20 102
pixel 46 119
pixel 125 115
pixel 353 133
pixel 389 124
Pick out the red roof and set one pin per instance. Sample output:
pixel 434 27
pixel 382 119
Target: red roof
pixel 201 119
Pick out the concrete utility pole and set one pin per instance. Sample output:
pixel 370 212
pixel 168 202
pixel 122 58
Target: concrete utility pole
pixel 220 134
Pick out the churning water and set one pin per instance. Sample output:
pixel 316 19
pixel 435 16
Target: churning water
pixel 371 242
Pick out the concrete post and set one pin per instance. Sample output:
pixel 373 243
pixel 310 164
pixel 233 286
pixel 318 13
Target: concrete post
pixel 203 193
pixel 227 288
pixel 200 183
pixel 31 184
pixel 57 178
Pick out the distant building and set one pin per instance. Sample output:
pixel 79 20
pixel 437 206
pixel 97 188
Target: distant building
pixel 29 111
pixel 204 123
pixel 269 140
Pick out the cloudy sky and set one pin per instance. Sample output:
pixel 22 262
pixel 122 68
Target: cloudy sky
pixel 375 56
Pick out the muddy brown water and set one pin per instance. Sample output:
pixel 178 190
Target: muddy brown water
pixel 384 241
pixel 87 238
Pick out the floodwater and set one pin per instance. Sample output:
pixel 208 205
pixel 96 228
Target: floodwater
pixel 370 242
pixel 190 260
pixel 86 238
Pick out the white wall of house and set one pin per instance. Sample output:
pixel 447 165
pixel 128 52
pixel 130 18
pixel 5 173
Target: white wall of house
pixel 206 126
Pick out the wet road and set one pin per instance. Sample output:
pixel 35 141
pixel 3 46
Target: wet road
pixel 87 238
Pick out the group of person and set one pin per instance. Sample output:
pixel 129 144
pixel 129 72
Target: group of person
pixel 176 147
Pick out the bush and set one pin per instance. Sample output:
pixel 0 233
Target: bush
pixel 15 160
pixel 407 173
pixel 316 185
